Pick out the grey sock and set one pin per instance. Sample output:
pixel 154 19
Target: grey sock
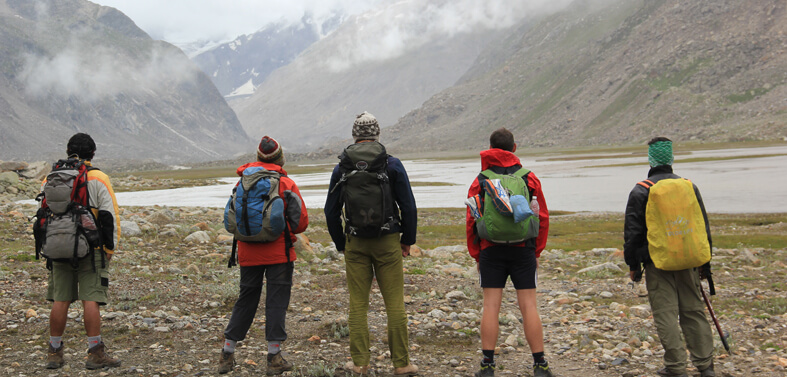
pixel 56 341
pixel 274 347
pixel 93 341
pixel 229 345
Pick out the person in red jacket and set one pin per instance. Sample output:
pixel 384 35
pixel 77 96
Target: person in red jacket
pixel 496 262
pixel 273 260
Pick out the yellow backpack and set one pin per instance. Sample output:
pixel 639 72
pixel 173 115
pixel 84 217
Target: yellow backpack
pixel 677 239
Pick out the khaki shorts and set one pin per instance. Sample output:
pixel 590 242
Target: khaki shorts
pixel 83 283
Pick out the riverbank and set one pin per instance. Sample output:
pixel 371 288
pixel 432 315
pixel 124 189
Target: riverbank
pixel 171 296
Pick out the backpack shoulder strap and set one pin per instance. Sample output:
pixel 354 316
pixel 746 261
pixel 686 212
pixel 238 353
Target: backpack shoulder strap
pixel 646 183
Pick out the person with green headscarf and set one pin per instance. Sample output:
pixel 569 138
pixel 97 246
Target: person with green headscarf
pixel 674 296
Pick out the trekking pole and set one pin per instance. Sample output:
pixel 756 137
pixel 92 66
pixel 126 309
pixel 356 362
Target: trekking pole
pixel 715 321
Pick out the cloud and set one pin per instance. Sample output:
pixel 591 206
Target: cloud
pixel 93 73
pixel 184 21
pixel 390 31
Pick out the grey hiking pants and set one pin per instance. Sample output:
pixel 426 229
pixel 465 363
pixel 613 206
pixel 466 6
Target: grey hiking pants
pixel 277 299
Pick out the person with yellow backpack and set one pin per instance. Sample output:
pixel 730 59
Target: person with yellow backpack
pixel 667 232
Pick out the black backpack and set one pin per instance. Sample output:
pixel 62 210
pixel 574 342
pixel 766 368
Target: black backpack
pixel 369 207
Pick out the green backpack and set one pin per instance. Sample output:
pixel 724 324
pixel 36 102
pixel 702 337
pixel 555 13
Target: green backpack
pixel 498 228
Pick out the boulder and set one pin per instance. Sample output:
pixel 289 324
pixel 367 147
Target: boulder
pixel 130 229
pixel 36 171
pixel 8 178
pixel 12 165
pixel 199 236
pixel 601 267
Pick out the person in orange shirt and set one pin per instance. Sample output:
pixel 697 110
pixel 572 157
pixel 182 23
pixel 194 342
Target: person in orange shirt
pixel 273 260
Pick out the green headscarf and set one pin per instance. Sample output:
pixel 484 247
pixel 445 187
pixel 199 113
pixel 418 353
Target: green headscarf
pixel 660 153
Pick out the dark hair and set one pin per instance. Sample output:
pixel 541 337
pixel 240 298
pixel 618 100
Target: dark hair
pixel 82 145
pixel 503 139
pixel 657 139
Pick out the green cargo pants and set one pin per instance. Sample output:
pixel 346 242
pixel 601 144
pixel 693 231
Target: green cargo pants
pixel 675 299
pixel 365 259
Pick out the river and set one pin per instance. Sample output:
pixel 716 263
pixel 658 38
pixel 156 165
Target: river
pixel 746 184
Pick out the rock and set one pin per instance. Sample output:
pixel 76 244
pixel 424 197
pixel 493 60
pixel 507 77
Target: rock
pixel 130 229
pixel 512 341
pixel 445 251
pixel 161 217
pixel 8 178
pixel 192 270
pixel 641 311
pixel 223 238
pixel 303 247
pixel 601 267
pixel 12 165
pixel 30 313
pixel 161 329
pixel 606 294
pixel 437 313
pixel 199 236
pixel 36 171
pixel 416 251
pixel 201 226
pixel 456 295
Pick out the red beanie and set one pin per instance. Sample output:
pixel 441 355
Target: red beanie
pixel 270 151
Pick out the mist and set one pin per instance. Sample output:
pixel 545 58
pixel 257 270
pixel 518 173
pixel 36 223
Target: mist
pixel 393 30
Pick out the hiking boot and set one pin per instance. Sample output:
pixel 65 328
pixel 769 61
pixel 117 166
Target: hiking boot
pixel 227 362
pixel 97 358
pixel 277 365
pixel 668 373
pixel 55 359
pixel 487 370
pixel 708 372
pixel 540 370
pixel 409 370
pixel 356 370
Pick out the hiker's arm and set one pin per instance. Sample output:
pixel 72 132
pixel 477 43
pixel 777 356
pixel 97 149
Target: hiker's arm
pixel 102 198
pixel 534 185
pixel 403 194
pixel 297 215
pixel 473 245
pixel 333 211
pixel 635 229
pixel 705 272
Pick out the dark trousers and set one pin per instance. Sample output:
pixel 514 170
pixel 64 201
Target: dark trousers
pixel 277 299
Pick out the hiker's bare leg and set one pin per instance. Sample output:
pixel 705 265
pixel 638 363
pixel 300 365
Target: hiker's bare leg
pixel 92 318
pixel 489 318
pixel 58 317
pixel 531 321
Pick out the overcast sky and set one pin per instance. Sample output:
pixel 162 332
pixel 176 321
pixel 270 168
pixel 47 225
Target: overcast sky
pixel 183 21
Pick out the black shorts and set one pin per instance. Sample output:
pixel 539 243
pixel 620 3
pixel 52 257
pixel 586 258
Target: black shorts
pixel 499 262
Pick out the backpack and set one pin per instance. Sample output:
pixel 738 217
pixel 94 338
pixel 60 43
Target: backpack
pixel 65 229
pixel 677 238
pixel 255 211
pixel 499 227
pixel 367 197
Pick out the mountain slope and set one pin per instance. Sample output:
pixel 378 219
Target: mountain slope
pixel 614 71
pixel 72 66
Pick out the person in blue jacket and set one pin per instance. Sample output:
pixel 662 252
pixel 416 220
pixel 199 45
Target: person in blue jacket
pixel 379 255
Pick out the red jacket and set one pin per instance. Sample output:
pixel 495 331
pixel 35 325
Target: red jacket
pixel 257 254
pixel 502 158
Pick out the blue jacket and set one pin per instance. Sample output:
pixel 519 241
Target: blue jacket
pixel 403 197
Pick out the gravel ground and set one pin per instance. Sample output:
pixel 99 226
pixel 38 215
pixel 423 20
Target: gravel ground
pixel 171 299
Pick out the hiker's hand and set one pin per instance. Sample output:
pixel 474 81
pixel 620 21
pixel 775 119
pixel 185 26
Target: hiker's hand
pixel 109 257
pixel 705 271
pixel 633 275
pixel 478 267
pixel 405 250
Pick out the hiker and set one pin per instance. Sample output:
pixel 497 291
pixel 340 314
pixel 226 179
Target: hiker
pixel 86 277
pixel 503 247
pixel 374 190
pixel 675 255
pixel 270 256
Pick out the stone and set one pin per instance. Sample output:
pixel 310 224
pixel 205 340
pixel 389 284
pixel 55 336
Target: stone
pixel 192 270
pixel 303 247
pixel 36 171
pixel 8 178
pixel 641 311
pixel 161 217
pixel 12 165
pixel 130 229
pixel 445 251
pixel 456 295
pixel 30 313
pixel 199 236
pixel 512 341
pixel 601 267
pixel 416 251
pixel 437 313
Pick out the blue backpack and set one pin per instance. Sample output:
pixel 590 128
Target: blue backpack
pixel 255 211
